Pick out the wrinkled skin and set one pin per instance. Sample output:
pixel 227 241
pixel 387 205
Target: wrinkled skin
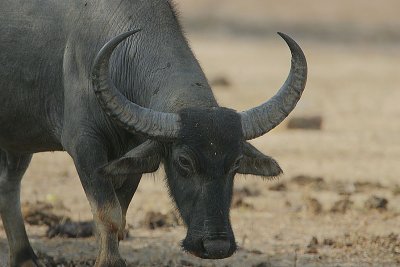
pixel 48 103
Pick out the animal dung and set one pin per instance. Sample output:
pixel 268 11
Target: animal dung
pixel 246 192
pixel 41 213
pixel 312 246
pixel 342 205
pixel 328 242
pixel 317 183
pixel 313 206
pixel 71 229
pixel 278 187
pixel 305 123
pixel 154 220
pixel 375 202
pixel 239 202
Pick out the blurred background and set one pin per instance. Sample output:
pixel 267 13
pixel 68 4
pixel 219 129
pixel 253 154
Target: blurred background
pixel 338 202
pixel 352 49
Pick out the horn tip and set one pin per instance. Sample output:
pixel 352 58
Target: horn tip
pixel 293 45
pixel 285 37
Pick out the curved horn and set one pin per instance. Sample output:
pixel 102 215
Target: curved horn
pixel 260 120
pixel 131 116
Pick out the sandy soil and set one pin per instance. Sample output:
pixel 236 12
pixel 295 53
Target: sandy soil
pixel 353 84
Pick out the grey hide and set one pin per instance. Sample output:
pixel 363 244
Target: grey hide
pixel 122 115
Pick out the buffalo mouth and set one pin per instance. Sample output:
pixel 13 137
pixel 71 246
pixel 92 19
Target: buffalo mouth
pixel 210 247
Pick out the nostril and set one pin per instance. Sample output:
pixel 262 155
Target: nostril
pixel 217 248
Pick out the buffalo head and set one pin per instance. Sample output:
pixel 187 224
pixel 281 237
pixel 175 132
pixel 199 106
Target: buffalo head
pixel 202 149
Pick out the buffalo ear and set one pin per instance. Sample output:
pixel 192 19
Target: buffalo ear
pixel 145 158
pixel 256 163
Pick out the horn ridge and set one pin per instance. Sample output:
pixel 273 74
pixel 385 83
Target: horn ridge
pixel 129 115
pixel 260 120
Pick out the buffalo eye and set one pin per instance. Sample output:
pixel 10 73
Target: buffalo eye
pixel 184 165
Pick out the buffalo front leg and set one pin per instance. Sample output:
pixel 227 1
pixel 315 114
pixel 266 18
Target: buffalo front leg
pixel 125 194
pixel 12 168
pixel 88 156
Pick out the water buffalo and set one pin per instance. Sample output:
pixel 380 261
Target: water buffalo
pixel 121 110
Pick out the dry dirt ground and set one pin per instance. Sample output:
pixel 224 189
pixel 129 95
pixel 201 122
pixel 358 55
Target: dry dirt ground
pixel 322 218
